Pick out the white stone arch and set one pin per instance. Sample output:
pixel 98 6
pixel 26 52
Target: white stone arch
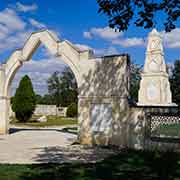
pixel 66 52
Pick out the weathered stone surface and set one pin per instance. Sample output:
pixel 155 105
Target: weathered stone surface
pixel 154 87
pixel 42 119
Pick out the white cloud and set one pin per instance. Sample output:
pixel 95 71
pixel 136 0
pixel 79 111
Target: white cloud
pixel 37 24
pixel 3 35
pixel 107 51
pixel 14 30
pixel 171 39
pixel 13 41
pixel 3 31
pixel 10 21
pixel 39 72
pixel 129 42
pixel 26 8
pixel 87 35
pixel 104 33
pixel 116 38
pixel 111 51
pixel 43 66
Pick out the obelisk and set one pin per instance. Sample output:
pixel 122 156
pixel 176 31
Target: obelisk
pixel 154 86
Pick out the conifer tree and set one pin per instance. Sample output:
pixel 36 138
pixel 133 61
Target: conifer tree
pixel 24 101
pixel 175 82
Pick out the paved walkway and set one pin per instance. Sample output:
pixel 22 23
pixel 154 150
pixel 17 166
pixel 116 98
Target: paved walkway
pixel 27 146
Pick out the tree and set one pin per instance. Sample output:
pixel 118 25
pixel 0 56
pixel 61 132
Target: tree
pixel 135 77
pixel 45 99
pixel 63 88
pixel 24 101
pixel 121 12
pixel 54 87
pixel 48 99
pixel 69 87
pixel 175 82
pixel 39 99
pixel 72 110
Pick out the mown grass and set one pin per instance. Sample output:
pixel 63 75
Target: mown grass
pixel 170 130
pixel 51 121
pixel 127 165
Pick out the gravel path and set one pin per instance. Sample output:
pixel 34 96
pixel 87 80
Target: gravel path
pixel 46 145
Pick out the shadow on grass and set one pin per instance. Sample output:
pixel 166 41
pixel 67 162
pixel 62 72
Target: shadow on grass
pixel 128 165
pixel 69 154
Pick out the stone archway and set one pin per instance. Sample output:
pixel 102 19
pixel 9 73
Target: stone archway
pixel 67 52
pixel 102 87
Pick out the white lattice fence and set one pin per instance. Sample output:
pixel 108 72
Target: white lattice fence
pixel 164 125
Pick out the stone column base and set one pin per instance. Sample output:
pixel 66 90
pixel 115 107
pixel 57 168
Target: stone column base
pixel 3 130
pixel 155 105
pixel 4 115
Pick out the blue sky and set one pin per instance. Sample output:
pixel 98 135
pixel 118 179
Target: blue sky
pixel 77 21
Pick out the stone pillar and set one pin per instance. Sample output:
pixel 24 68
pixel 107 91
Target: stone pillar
pixel 4 104
pixel 84 135
pixel 155 87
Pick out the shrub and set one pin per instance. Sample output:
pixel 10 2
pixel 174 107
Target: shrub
pixel 72 110
pixel 24 101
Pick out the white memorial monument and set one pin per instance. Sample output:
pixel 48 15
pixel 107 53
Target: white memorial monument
pixel 154 86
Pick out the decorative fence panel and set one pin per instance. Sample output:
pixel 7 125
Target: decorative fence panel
pixel 163 126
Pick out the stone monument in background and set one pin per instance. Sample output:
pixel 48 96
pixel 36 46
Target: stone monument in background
pixel 154 86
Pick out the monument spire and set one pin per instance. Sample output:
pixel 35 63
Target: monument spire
pixel 154 55
pixel 154 86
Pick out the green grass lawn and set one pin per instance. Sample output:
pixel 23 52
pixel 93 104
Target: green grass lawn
pixel 128 165
pixel 51 121
pixel 171 130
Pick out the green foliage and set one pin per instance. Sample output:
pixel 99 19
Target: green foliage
pixel 72 110
pixel 167 130
pixel 24 101
pixel 46 99
pixel 39 99
pixel 11 100
pixel 135 77
pixel 141 12
pixel 54 87
pixel 62 87
pixel 175 82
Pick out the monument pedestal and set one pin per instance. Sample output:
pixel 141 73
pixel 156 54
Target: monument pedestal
pixel 155 90
pixel 158 105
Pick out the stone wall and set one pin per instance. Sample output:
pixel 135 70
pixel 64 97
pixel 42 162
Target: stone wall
pixel 103 102
pixel 50 110
pixel 139 134
pixel 47 110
